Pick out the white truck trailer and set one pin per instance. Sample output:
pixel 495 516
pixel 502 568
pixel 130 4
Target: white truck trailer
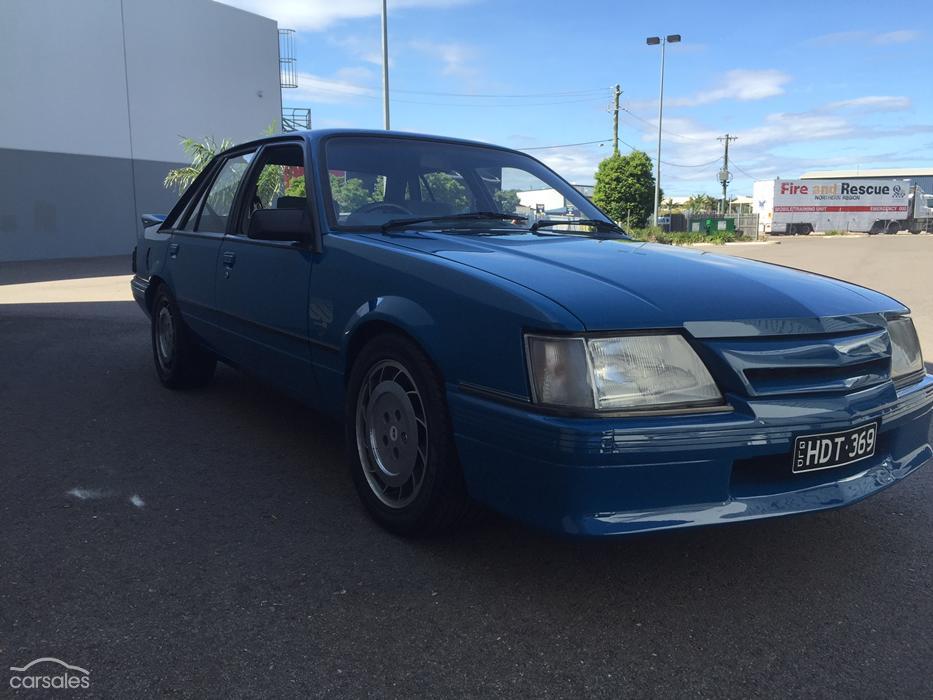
pixel 869 206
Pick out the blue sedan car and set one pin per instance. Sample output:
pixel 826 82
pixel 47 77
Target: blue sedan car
pixel 554 370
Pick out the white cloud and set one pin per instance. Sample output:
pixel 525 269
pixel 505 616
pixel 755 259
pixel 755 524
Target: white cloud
pixel 898 36
pixel 577 164
pixel 872 103
pixel 740 84
pixel 761 149
pixel 456 59
pixel 344 86
pixel 314 15
pixel 782 127
pixel 368 49
pixel 901 36
pixel 835 38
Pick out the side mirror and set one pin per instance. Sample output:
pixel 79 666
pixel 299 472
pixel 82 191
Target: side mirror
pixel 279 225
pixel 152 220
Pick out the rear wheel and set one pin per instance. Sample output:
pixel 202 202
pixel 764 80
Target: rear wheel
pixel 402 456
pixel 180 362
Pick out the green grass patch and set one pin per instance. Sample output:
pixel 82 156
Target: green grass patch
pixel 656 235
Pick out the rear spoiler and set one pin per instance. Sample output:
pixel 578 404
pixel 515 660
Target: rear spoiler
pixel 152 220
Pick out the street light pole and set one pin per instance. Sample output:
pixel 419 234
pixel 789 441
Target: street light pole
pixel 657 163
pixel 663 41
pixel 385 66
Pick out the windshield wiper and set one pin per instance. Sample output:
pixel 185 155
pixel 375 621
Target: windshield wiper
pixel 599 224
pixel 468 216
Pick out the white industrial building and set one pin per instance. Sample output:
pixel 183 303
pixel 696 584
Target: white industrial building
pixel 96 95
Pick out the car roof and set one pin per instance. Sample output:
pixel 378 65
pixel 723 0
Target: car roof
pixel 317 135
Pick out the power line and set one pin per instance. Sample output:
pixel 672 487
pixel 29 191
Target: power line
pixel 673 165
pixel 369 93
pixel 666 131
pixel 502 104
pixel 369 96
pixel 564 145
pixel 742 170
pixel 691 165
pixel 627 145
pixel 574 93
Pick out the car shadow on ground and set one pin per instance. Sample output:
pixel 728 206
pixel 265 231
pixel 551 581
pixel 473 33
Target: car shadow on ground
pixel 490 543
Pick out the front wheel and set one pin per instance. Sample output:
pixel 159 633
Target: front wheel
pixel 402 456
pixel 180 362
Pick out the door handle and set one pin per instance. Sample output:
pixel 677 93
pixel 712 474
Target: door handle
pixel 229 259
pixel 172 250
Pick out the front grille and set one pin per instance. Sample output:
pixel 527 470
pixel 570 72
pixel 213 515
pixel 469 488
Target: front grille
pixel 833 363
pixel 779 380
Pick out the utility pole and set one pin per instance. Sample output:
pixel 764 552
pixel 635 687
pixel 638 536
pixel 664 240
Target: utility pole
pixel 615 121
pixel 724 175
pixel 385 65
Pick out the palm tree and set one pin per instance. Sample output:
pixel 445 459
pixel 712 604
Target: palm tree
pixel 201 153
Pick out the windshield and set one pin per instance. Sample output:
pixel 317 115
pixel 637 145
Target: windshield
pixel 378 179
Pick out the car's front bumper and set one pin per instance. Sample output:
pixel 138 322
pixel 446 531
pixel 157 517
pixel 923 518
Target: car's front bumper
pixel 613 476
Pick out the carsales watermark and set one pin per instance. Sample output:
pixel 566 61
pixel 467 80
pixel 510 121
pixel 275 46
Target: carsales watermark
pixel 47 673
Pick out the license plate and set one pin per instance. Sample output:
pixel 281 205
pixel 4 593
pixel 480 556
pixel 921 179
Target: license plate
pixel 828 450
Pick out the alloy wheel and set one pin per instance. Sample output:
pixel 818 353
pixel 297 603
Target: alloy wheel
pixel 392 434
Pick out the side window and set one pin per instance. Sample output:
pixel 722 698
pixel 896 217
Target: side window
pixel 216 207
pixel 193 213
pixel 447 191
pixel 278 182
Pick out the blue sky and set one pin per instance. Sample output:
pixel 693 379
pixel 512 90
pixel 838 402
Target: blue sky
pixel 804 85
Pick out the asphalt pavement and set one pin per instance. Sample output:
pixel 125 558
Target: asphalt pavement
pixel 210 544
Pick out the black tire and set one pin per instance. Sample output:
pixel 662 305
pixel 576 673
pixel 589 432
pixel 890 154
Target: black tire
pixel 428 494
pixel 180 363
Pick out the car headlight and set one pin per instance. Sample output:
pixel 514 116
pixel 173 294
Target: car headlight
pixel 620 373
pixel 906 358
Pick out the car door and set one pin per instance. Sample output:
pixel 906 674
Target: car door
pixel 262 285
pixel 195 244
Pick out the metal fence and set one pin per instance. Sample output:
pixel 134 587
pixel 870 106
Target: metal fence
pixel 746 225
pixel 296 118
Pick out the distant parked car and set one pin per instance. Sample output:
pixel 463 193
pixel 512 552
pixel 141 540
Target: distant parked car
pixel 557 371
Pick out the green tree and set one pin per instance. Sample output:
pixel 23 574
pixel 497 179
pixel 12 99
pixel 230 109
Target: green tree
pixel 201 153
pixel 625 187
pixel 702 202
pixel 296 187
pixel 448 189
pixel 506 200
pixel 350 194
